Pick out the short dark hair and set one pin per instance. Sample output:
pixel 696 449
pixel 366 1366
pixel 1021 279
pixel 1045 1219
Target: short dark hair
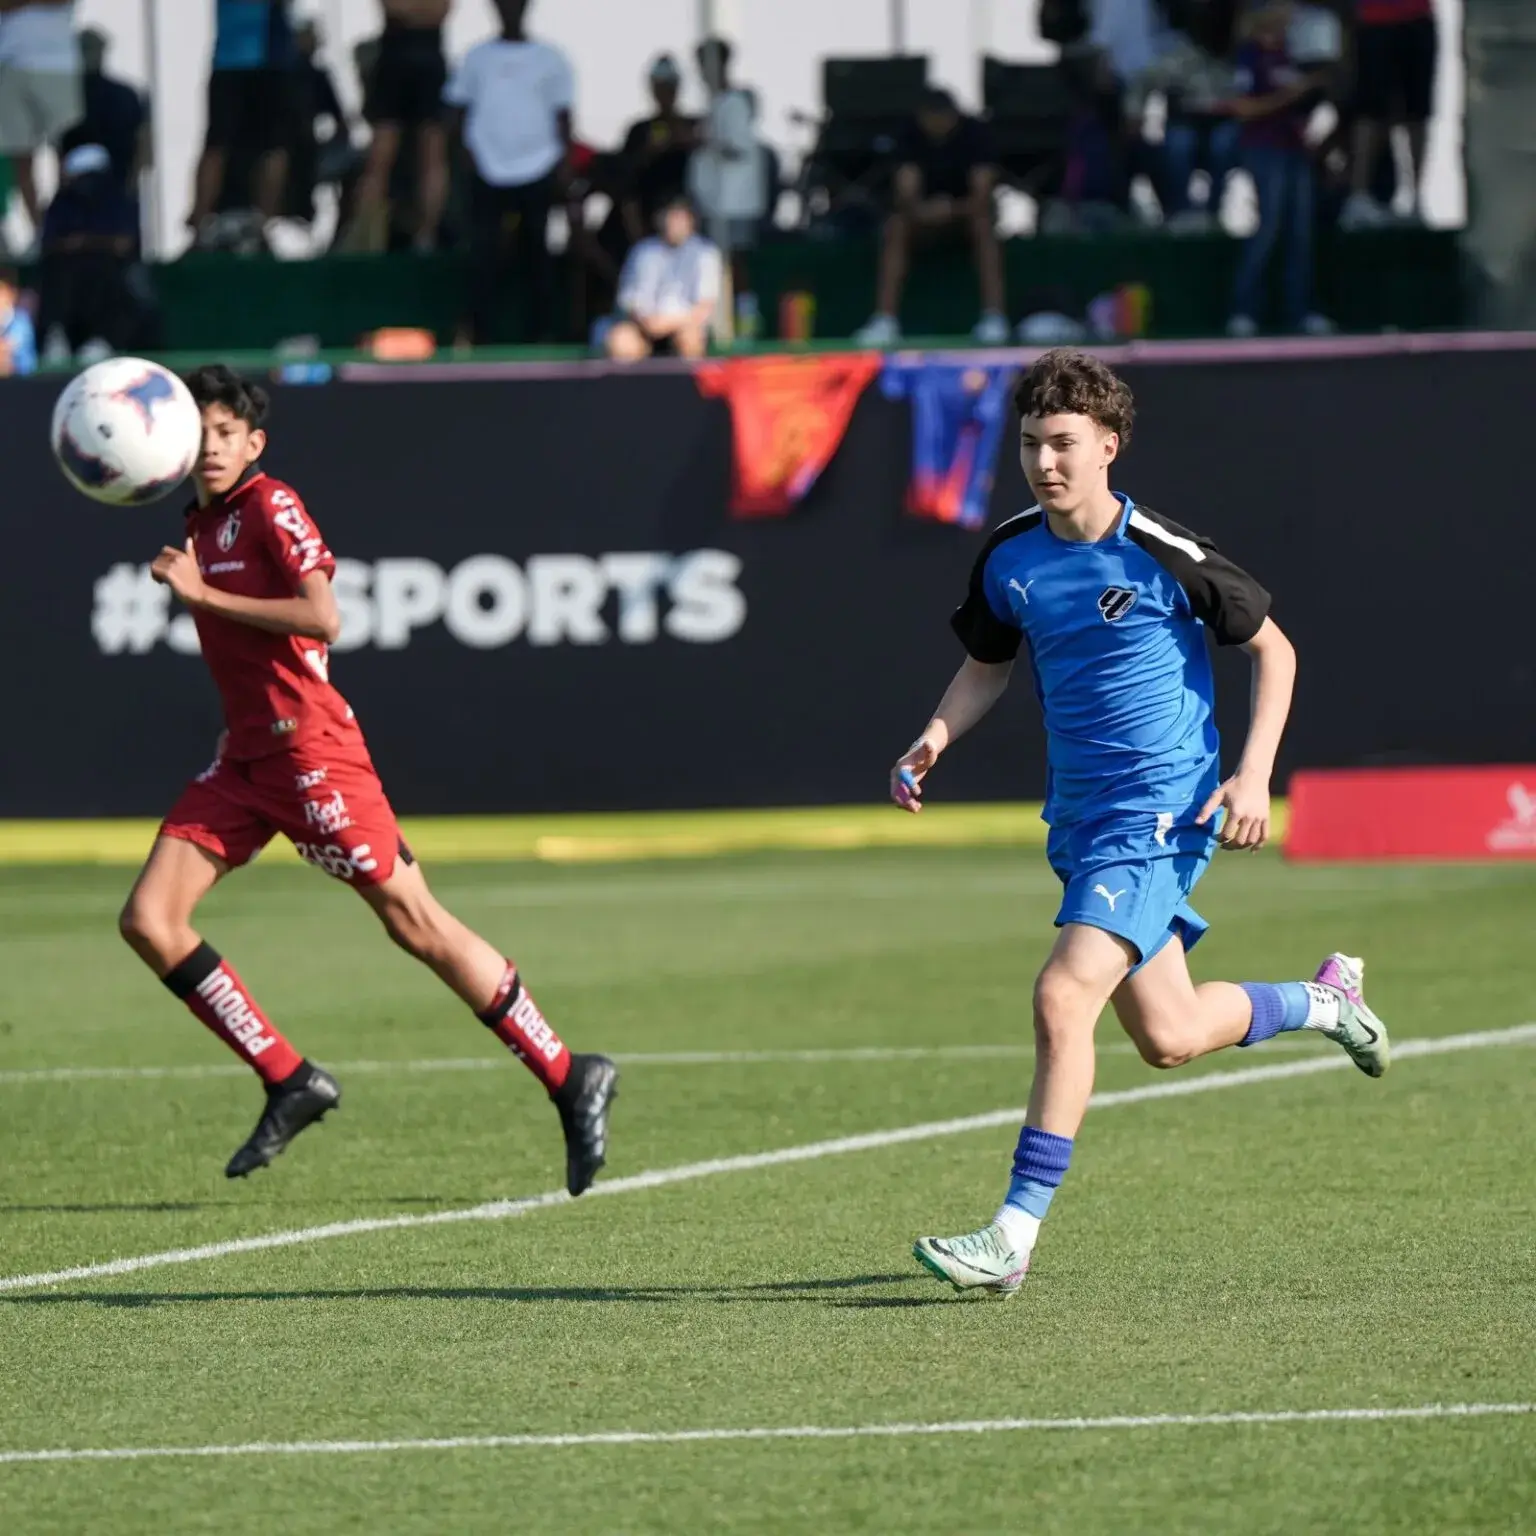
pixel 719 45
pixel 936 99
pixel 1064 382
pixel 217 384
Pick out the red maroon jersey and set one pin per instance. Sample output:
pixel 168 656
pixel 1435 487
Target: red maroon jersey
pixel 258 541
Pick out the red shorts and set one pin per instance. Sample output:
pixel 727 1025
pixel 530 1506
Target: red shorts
pixel 324 795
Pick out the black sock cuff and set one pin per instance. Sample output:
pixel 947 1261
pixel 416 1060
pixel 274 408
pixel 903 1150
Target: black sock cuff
pixel 186 978
pixel 503 1005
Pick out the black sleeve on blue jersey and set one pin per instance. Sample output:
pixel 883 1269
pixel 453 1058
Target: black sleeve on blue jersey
pixel 1231 604
pixel 985 636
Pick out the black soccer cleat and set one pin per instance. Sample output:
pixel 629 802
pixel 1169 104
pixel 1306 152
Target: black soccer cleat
pixel 583 1101
pixel 299 1100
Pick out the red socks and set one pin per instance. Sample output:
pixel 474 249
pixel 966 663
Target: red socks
pixel 515 1020
pixel 208 985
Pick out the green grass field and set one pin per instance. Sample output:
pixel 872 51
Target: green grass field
pixel 1294 1243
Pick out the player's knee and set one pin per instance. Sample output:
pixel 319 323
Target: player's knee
pixel 147 929
pixel 898 229
pixel 1062 1004
pixel 1163 1042
pixel 626 344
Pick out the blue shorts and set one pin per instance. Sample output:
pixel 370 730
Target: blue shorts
pixel 1132 875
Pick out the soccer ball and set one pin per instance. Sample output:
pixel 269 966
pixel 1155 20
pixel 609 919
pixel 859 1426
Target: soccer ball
pixel 126 432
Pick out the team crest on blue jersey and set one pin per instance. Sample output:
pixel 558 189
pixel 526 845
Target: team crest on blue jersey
pixel 1116 602
pixel 229 531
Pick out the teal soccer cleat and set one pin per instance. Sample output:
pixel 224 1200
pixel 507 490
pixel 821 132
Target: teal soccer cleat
pixel 978 1261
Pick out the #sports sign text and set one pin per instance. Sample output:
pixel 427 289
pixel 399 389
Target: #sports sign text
pixel 484 602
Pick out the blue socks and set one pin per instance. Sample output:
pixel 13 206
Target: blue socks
pixel 1039 1163
pixel 1278 1008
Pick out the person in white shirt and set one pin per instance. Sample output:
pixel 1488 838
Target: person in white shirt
pixel 668 291
pixel 40 90
pixel 514 98
pixel 727 175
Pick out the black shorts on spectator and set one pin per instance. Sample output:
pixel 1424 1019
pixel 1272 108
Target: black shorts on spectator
pixel 944 189
pixel 1396 53
pixel 405 99
pixel 250 115
pixel 512 99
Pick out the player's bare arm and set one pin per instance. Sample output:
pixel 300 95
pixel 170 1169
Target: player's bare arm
pixel 1245 796
pixel 975 688
pixel 311 613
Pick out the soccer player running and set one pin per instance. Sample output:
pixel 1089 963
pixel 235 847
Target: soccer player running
pixel 256 575
pixel 1115 601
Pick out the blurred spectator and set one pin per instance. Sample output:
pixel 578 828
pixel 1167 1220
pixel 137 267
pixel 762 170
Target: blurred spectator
pixel 1396 52
pixel 728 173
pixel 654 160
pixel 1271 107
pixel 316 160
pixel 944 184
pixel 406 99
pixel 516 97
pixel 1106 150
pixel 40 89
pixel 95 296
pixel 18 341
pixel 669 291
pixel 250 112
pixel 1194 75
pixel 312 159
pixel 116 115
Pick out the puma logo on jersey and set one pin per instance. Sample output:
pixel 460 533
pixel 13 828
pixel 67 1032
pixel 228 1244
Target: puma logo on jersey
pixel 1110 896
pixel 319 662
pixel 1164 827
pixel 1022 588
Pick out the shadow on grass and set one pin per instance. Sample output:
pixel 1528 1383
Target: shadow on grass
pixel 773 1290
pixel 143 1205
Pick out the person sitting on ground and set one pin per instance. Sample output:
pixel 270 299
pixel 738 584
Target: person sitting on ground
pixel 944 185
pixel 668 292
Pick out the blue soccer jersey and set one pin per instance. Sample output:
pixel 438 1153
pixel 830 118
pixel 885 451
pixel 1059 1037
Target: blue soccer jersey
pixel 1116 632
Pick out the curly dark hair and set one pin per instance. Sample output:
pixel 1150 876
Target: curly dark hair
pixel 216 384
pixel 1068 383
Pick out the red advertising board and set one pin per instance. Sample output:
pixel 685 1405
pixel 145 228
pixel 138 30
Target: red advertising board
pixel 1413 813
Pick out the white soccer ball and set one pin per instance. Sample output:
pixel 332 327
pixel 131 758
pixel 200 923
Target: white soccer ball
pixel 127 432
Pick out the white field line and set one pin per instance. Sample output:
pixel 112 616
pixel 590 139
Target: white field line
pixel 24 1075
pixel 500 1210
pixel 795 1432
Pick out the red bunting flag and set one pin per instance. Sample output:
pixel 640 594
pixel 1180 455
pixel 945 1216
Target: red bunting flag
pixel 788 415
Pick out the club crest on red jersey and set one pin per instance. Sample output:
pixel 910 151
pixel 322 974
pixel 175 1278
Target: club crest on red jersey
pixel 229 532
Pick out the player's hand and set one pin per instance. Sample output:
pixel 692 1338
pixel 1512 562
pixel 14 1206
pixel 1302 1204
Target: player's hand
pixel 1245 799
pixel 908 774
pixel 178 569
